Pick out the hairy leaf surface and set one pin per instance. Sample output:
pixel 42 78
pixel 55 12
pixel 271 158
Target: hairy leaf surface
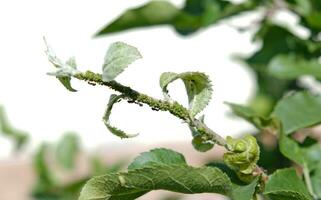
pixel 198 88
pixel 118 57
pixel 176 178
pixel 157 156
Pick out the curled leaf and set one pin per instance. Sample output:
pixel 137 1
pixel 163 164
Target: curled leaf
pixel 112 100
pixel 64 71
pixel 198 87
pixel 118 57
pixel 243 155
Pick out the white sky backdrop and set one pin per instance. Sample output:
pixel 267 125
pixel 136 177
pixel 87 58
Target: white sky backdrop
pixel 39 104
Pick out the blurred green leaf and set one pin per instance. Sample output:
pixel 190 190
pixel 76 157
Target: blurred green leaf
pixel 142 16
pixel 67 150
pixel 260 122
pixel 297 111
pixel 292 67
pixel 19 137
pixel 118 57
pixel 193 16
pixel 316 181
pixel 45 178
pixel 286 185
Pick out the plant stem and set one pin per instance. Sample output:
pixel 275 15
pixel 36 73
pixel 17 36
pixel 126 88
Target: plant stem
pixel 174 108
pixel 307 180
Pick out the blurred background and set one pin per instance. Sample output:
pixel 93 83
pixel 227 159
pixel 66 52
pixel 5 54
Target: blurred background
pixel 38 105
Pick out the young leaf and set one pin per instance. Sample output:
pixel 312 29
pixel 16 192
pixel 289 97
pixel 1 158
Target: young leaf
pixel 198 88
pixel 200 142
pixel 112 100
pixel 65 70
pixel 286 185
pixel 67 149
pixel 19 137
pixel 118 57
pixel 292 67
pixel 142 16
pixel 157 156
pixel 172 177
pixel 298 111
pixel 202 145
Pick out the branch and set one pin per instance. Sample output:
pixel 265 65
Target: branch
pixel 174 108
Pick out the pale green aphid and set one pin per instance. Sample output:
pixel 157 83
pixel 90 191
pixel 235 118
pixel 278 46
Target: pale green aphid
pixel 243 154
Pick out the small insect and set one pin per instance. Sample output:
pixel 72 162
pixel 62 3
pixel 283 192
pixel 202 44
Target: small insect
pixel 91 83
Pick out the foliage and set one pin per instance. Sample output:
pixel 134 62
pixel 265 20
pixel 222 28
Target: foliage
pixel 19 137
pixel 281 109
pixel 167 170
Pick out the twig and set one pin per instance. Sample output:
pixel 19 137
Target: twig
pixel 174 107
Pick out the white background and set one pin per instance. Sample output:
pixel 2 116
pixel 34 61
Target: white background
pixel 39 104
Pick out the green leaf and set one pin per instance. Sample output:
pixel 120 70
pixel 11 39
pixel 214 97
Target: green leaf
pixel 241 191
pixel 65 70
pixel 142 16
pixel 157 156
pixel 67 149
pixel 316 181
pixel 45 178
pixel 278 40
pixel 244 192
pixel 198 88
pixel 201 144
pixel 260 122
pixel 112 100
pixel 19 137
pixel 194 15
pixel 200 140
pixel 135 183
pixel 290 149
pixel 308 157
pixel 297 111
pixel 118 57
pixel 292 67
pixel 284 184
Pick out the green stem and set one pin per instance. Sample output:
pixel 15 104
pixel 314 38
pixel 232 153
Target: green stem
pixel 307 180
pixel 174 108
